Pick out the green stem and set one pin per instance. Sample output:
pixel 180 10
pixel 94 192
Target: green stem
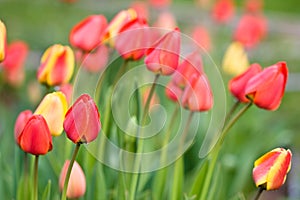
pixel 64 192
pixel 259 192
pixel 26 172
pixel 121 71
pixel 232 110
pixel 35 180
pixel 140 144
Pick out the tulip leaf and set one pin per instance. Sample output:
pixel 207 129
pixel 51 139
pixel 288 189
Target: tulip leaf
pixel 199 180
pixel 47 191
pixel 178 178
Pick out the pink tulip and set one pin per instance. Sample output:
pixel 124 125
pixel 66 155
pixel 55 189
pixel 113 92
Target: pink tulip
pixel 223 11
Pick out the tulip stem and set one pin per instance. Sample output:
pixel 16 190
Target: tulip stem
pixel 26 172
pixel 140 145
pixel 232 110
pixel 259 192
pixel 35 178
pixel 64 192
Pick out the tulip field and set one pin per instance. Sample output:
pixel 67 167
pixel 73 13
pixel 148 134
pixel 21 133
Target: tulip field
pixel 149 100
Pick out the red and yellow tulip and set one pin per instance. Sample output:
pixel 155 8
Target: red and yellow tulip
pixel 2 40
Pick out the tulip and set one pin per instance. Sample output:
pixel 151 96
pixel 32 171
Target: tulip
pixel 266 88
pixel 87 34
pixel 250 30
pixel 173 92
pixel 238 84
pixel 67 90
pixel 197 96
pixel 132 40
pixel 192 64
pixel 113 28
pixel 82 122
pixel 141 10
pixel 57 65
pixel 270 170
pixel 223 11
pixel 162 57
pixel 165 20
pixel 2 40
pixel 53 108
pixel 16 54
pixel 77 183
pixel 254 6
pixel 235 60
pixel 35 137
pixel 21 121
pixel 160 3
pixel 202 37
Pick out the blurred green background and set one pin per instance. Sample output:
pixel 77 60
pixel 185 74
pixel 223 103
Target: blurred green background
pixel 42 23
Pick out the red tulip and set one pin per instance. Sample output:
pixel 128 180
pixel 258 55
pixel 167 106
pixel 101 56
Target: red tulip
pixel 88 33
pixel 2 40
pixel 160 3
pixel 35 137
pixel 254 6
pixel 202 37
pixel 132 40
pixel 267 87
pixel 16 54
pixel 77 183
pixel 223 11
pixel 238 84
pixel 173 92
pixel 82 122
pixel 250 30
pixel 162 57
pixel 192 64
pixel 21 121
pixel 141 10
pixel 165 20
pixel 271 169
pixel 197 96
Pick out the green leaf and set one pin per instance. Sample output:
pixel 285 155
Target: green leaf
pixel 47 191
pixel 177 183
pixel 199 180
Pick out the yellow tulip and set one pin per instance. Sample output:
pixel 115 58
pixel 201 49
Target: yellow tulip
pixel 2 40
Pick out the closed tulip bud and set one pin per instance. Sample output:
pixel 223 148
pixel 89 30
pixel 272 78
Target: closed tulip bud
pixel 113 28
pixel 197 96
pixel 21 121
pixel 141 9
pixel 173 92
pixel 223 11
pixel 96 60
pixel 35 137
pixel 82 122
pixel 53 108
pixel 87 34
pixel 192 64
pixel 238 84
pixel 235 60
pixel 202 37
pixel 77 183
pixel 162 58
pixel 2 40
pixel 271 169
pixel 266 88
pixel 165 20
pixel 57 65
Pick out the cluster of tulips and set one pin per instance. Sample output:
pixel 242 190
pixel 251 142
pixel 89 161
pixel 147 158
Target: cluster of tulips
pixel 92 40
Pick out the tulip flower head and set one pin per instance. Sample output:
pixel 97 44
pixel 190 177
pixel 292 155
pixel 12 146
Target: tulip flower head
pixel 202 37
pixel 141 9
pixel 77 183
pixel 162 58
pixel 266 88
pixel 173 91
pixel 35 137
pixel 223 11
pixel 53 108
pixel 2 40
pixel 87 34
pixel 82 122
pixel 237 85
pixel 57 65
pixel 21 121
pixel 270 170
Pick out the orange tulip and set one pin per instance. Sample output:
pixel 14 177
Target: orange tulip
pixel 21 121
pixel 53 108
pixel 162 57
pixel 57 65
pixel 88 33
pixel 266 88
pixel 271 169
pixel 35 137
pixel 2 40
pixel 238 84
pixel 77 183
pixel 82 122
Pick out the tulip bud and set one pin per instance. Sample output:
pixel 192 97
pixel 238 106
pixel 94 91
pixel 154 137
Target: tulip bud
pixel 202 38
pixel 2 40
pixel 88 33
pixel 197 95
pixel 162 57
pixel 77 183
pixel 82 122
pixel 266 88
pixel 223 11
pixel 141 9
pixel 270 170
pixel 21 121
pixel 53 108
pixel 238 84
pixel 35 137
pixel 96 60
pixel 235 60
pixel 57 65
pixel 173 92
